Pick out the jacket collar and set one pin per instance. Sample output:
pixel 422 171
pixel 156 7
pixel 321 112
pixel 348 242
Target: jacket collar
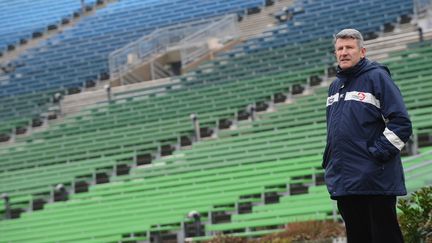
pixel 353 71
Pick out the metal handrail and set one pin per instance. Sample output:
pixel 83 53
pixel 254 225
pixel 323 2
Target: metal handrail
pixel 185 37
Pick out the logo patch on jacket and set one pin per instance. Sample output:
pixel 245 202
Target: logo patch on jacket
pixel 363 97
pixel 332 99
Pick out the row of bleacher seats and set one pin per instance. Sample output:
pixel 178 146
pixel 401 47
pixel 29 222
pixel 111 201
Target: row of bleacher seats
pixel 78 57
pixel 289 140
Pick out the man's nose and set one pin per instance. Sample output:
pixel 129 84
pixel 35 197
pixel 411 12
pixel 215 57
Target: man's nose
pixel 344 51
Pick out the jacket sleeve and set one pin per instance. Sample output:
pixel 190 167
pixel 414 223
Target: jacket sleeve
pixel 327 147
pixel 398 125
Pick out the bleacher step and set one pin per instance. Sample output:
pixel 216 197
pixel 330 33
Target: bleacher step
pixel 255 24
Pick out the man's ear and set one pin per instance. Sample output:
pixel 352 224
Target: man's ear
pixel 363 52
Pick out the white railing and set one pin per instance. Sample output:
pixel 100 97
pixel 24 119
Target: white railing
pixel 191 39
pixel 202 41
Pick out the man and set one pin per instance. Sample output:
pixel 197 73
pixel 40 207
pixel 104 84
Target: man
pixel 367 126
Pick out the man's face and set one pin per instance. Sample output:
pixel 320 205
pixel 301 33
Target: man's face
pixel 348 53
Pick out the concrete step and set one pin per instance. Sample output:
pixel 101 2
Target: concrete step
pixel 255 24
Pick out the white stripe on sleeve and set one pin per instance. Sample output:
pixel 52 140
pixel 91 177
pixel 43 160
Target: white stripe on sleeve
pixel 394 139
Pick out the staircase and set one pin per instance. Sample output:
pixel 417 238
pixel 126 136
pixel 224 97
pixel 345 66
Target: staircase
pixel 177 46
pixel 254 24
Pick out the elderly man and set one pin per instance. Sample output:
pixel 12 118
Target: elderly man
pixel 367 126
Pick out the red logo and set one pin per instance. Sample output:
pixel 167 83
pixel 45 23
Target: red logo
pixel 361 96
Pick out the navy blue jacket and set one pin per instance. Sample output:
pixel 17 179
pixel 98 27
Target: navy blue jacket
pixel 367 126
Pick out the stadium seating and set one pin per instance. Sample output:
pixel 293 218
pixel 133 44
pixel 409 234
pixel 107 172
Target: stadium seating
pixel 248 180
pixel 123 129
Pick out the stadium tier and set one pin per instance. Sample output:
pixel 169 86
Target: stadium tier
pixel 134 167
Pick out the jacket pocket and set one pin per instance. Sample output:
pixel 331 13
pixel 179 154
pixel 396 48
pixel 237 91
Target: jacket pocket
pixel 361 171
